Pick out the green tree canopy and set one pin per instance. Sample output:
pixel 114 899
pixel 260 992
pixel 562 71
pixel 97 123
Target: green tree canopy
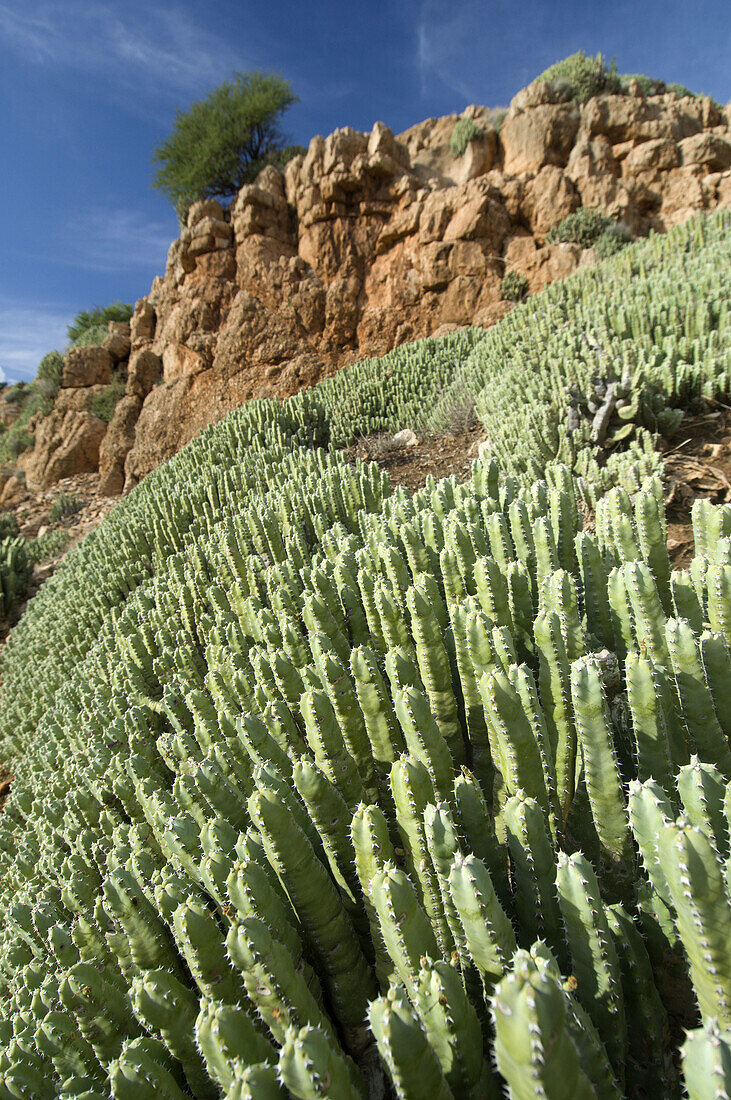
pixel 224 140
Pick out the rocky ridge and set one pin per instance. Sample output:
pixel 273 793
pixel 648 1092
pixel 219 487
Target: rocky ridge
pixel 367 242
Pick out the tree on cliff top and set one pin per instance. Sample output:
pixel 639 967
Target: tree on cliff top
pixel 224 140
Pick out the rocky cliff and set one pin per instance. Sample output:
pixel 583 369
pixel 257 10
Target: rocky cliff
pixel 369 241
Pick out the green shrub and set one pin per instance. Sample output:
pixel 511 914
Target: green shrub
pixel 465 130
pixel 19 439
pixel 583 227
pixel 64 505
pixel 514 286
pixel 50 370
pixel 8 525
pixel 224 140
pixel 583 76
pixel 91 326
pixel 497 118
pixel 16 570
pixel 48 546
pixel 17 394
pixel 103 404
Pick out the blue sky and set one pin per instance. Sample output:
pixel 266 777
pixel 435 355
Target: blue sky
pixel 90 88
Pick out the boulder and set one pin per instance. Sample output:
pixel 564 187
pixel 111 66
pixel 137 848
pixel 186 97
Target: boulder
pixel 538 136
pixel 712 151
pixel 142 325
pixel 143 371
pixel 549 198
pixel 86 367
pixel 118 341
pixel 117 444
pixel 66 443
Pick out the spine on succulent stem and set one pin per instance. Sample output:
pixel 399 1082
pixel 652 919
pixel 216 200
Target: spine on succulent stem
pixel 476 824
pixel 491 589
pixel 593 955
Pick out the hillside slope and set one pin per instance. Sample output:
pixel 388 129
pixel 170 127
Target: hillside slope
pixel 367 242
pixel 320 785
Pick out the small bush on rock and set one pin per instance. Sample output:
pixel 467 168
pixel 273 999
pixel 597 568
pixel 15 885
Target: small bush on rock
pixel 8 525
pixel 65 504
pixel 50 369
pixel 104 404
pixel 465 130
pixel 514 286
pixel 585 227
pixel 90 326
pixel 584 76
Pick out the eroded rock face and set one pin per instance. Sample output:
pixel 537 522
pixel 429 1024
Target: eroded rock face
pixel 86 367
pixel 371 240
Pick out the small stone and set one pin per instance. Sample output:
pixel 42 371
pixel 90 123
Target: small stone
pixel 405 438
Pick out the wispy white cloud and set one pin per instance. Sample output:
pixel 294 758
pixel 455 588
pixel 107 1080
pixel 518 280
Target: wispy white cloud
pixel 122 45
pixel 115 240
pixel 462 44
pixel 27 332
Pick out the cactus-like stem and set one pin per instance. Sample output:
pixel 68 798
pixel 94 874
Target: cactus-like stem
pixel 603 779
pixel 475 821
pixel 143 1066
pixel 424 739
pixel 706 1055
pixel 704 731
pixel 164 1005
pixel 407 931
pixel 412 1064
pixel 593 955
pixel 312 1067
pixel 534 874
pixel 452 1028
pixel 227 1036
pixel 703 914
pixel 555 694
pixel 412 791
pixel 341 963
pixel 488 934
pixel 533 1045
pixel 702 791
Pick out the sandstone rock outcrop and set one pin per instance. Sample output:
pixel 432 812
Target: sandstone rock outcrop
pixel 371 240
